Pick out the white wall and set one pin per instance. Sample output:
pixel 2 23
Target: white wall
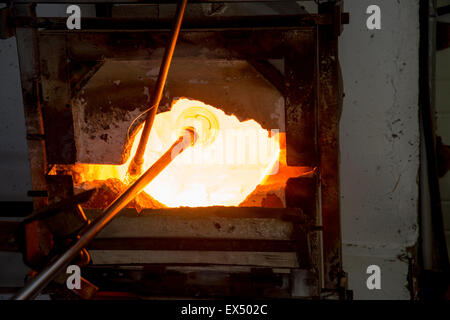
pixel 380 145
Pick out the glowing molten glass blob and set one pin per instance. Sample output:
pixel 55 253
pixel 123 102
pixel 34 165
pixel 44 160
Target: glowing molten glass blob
pixel 230 159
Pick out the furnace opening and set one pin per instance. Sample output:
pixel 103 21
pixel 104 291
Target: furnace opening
pixel 235 163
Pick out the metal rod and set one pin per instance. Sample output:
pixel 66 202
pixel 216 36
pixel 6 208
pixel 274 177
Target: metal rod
pixel 138 159
pixel 32 288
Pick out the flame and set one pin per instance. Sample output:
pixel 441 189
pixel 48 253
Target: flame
pixel 229 161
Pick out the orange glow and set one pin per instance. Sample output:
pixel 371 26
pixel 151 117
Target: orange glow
pixel 230 159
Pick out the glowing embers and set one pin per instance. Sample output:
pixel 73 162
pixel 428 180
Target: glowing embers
pixel 231 159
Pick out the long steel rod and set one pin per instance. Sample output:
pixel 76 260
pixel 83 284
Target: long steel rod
pixel 52 270
pixel 135 167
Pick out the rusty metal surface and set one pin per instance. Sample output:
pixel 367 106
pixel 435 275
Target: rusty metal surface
pixel 329 114
pixel 58 120
pixel 38 238
pixel 94 46
pixel 442 35
pixel 294 215
pixel 28 51
pixel 59 187
pixel 89 49
pixel 50 271
pixel 190 231
pixel 69 221
pixel 81 72
pixel 195 244
pixel 302 193
pixel 37 233
pixel 204 23
pixel 256 46
pixel 191 281
pixel 56 207
pixel 59 291
pixel 140 1
pixel 8 231
pixel 301 97
pixel 237 258
pixel 271 73
pixel 208 222
pixel 6 28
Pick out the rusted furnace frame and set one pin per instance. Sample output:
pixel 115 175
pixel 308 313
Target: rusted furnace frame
pixel 138 159
pixel 329 109
pixel 51 271
pixel 330 106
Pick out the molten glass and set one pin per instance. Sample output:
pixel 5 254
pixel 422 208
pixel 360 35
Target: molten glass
pixel 230 159
pixel 231 163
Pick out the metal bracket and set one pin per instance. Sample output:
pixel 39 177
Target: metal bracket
pixel 6 30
